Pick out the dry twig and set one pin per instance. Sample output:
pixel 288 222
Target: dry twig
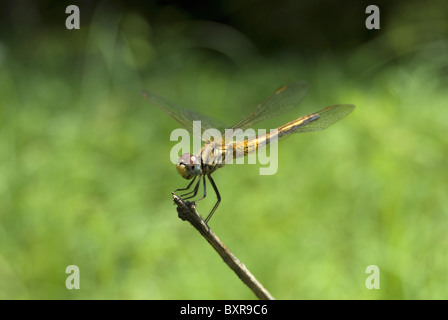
pixel 187 211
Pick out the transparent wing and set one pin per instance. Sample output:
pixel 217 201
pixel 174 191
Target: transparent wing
pixel 184 116
pixel 316 121
pixel 319 120
pixel 283 99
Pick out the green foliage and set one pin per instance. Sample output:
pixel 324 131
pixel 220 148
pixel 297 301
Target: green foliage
pixel 86 175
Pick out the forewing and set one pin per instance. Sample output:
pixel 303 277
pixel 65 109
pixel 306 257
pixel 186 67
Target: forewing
pixel 184 116
pixel 281 100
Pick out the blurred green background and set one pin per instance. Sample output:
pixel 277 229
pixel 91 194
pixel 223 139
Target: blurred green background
pixel 85 173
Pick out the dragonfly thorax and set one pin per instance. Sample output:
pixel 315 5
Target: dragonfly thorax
pixel 213 155
pixel 188 166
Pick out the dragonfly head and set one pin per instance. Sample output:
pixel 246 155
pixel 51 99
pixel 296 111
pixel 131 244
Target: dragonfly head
pixel 188 166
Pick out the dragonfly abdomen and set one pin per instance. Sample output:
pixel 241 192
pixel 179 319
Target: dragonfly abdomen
pixel 247 146
pixel 292 126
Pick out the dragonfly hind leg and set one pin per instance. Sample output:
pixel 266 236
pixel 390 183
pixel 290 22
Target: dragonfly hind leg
pixel 205 189
pixel 194 192
pixel 217 195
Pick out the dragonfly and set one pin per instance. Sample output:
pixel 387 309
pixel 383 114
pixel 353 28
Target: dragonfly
pixel 214 151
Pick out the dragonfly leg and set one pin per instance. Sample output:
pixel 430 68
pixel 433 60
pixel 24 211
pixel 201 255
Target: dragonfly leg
pixel 188 187
pixel 205 191
pixel 194 192
pixel 217 203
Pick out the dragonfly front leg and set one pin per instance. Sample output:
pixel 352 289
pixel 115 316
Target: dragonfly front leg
pixel 188 187
pixel 194 192
pixel 217 195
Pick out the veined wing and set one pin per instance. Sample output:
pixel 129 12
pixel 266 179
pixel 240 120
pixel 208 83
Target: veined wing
pixel 184 116
pixel 317 121
pixel 281 100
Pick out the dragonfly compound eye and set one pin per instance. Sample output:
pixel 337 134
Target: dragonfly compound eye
pixel 188 166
